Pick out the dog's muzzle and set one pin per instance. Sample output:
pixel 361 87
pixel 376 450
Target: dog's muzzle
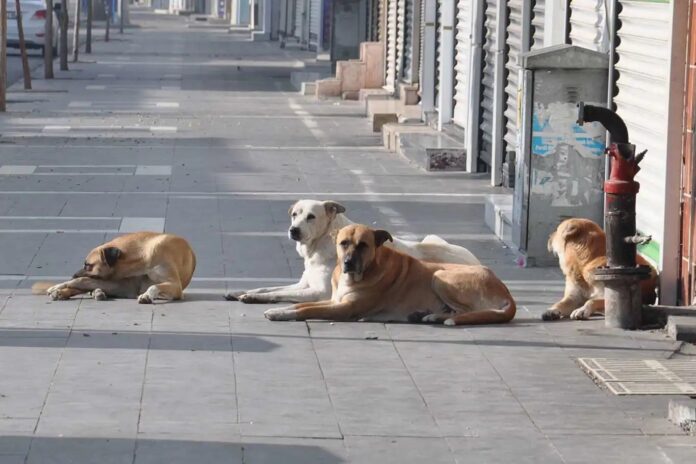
pixel 295 233
pixel 350 265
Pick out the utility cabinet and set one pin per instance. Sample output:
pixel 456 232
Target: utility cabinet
pixel 559 165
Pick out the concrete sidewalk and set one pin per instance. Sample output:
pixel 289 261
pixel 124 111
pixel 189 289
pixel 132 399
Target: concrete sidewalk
pixel 198 132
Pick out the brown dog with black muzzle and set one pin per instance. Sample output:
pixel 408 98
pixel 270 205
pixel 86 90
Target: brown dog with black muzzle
pixel 375 283
pixel 580 245
pixel 146 265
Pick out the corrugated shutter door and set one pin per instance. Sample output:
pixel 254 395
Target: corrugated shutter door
pixel 488 83
pixel 400 11
pixel 422 39
pixel 588 26
pixel 643 76
pixel 438 51
pixel 538 19
pixel 314 21
pixel 299 7
pixel 408 42
pixel 514 47
pixel 461 63
pixel 391 44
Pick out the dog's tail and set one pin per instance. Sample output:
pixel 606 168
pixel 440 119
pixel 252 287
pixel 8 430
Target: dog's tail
pixel 39 288
pixel 434 239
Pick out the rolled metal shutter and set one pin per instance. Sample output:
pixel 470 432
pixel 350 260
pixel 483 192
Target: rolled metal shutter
pixel 314 22
pixel 515 47
pixel 461 63
pixel 643 85
pixel 407 60
pixel 391 43
pixel 538 19
pixel 299 9
pixel 488 83
pixel 400 30
pixel 588 25
pixel 421 51
pixel 438 50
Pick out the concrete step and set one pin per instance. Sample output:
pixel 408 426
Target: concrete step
pixel 431 150
pixel 498 216
pixel 682 412
pixel 682 328
pixel 297 78
pixel 391 130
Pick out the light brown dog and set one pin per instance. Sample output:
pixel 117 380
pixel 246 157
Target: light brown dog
pixel 375 283
pixel 146 265
pixel 580 245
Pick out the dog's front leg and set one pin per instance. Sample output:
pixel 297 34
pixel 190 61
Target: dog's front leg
pixel 572 299
pixel 327 310
pixel 248 296
pixel 303 295
pixel 591 307
pixel 73 287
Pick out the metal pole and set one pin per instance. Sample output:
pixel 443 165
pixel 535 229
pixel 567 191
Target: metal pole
pixel 63 52
pixel 22 47
pixel 76 33
pixel 48 41
pixel 88 42
pixel 120 16
pixel 3 54
pixel 107 9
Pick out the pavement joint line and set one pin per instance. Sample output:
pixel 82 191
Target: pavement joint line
pixel 170 87
pixel 110 128
pixel 137 224
pixel 95 87
pixel 14 277
pixel 167 105
pixel 80 104
pixel 59 231
pixel 66 218
pixel 255 194
pixel 106 76
pixel 17 169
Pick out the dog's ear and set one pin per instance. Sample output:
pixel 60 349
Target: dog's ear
pixel 110 255
pixel 291 208
pixel 382 236
pixel 333 208
pixel 571 231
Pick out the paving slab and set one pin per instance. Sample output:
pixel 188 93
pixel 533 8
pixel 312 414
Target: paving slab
pixel 207 380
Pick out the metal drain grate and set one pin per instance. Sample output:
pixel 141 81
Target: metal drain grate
pixel 643 376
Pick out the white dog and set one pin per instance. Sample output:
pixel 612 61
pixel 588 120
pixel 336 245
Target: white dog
pixel 313 226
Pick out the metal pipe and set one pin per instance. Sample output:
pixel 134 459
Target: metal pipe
pixel 610 120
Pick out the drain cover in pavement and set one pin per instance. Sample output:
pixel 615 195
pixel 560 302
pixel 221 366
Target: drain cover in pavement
pixel 643 376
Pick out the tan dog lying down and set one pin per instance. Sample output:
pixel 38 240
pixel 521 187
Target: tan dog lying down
pixel 143 265
pixel 376 283
pixel 313 225
pixel 580 245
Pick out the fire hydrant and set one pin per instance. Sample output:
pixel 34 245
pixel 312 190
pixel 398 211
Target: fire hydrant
pixel 621 276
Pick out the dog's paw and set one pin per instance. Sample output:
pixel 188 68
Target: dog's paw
pixel 254 298
pixel 234 296
pixel 431 319
pixel 58 294
pixel 580 314
pixel 450 322
pixel 280 314
pixel 145 299
pixel 54 290
pixel 551 315
pixel 98 294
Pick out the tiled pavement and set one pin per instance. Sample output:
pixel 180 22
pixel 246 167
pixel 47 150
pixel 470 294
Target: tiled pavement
pixel 197 131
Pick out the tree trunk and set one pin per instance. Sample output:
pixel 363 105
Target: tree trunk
pixel 48 41
pixel 107 9
pixel 63 34
pixel 76 33
pixel 88 43
pixel 26 73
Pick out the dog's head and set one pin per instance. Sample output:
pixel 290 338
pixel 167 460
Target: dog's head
pixel 309 219
pixel 582 234
pixel 356 248
pixel 99 263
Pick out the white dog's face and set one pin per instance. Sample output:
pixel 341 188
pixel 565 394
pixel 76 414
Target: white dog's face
pixel 309 219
